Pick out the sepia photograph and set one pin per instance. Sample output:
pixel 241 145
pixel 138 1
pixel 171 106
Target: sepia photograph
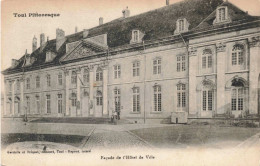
pixel 130 82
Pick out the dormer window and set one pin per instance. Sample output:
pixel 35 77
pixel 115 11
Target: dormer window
pixel 50 56
pixel 137 36
pixel 222 15
pixel 182 25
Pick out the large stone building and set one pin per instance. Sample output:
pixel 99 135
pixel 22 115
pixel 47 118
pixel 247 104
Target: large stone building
pixel 201 57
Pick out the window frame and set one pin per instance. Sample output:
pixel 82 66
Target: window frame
pixel 136 100
pixel 48 104
pixel 181 96
pixel 28 83
pixel 60 79
pixel 136 68
pixel 181 63
pixel 157 98
pixel 157 66
pixel 73 99
pixel 238 55
pixel 60 101
pixel 117 71
pixel 99 74
pixel 48 80
pixel 37 82
pixel 73 77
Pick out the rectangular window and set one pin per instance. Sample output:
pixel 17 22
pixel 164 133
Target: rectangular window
pixel 99 100
pixel 181 63
pixel 38 104
pixel 74 77
pixel 234 59
pixel 210 99
pixel 157 99
pixel 37 82
pixel 136 100
pixel 117 71
pixel 28 105
pixel 135 36
pixel 48 103
pixel 59 103
pixel 181 96
pixel 136 69
pixel 204 62
pixel 240 58
pixel 60 79
pixel 18 85
pixel 117 100
pixel 48 80
pixel 28 83
pixel 204 100
pixel 234 100
pixel 157 66
pixel 86 76
pixel 209 61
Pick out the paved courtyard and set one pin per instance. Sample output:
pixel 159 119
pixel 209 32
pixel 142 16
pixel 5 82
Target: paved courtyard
pixel 144 136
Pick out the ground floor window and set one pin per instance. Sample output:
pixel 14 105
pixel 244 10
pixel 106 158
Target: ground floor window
pixel 73 100
pixel 37 104
pixel 237 99
pixel 157 97
pixel 207 100
pixel 59 103
pixel 117 94
pixel 48 103
pixel 136 100
pixel 181 96
pixel 99 98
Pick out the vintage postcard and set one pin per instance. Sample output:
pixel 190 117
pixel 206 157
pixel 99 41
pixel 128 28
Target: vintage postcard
pixel 130 82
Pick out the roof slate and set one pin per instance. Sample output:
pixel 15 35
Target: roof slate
pixel 154 24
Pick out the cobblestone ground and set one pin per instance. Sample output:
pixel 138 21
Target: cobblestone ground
pixel 113 137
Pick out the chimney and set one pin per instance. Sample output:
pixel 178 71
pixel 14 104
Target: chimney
pixel 42 39
pixel 76 29
pixel 126 12
pixel 47 38
pixel 60 38
pixel 34 44
pixel 85 33
pixel 167 2
pixel 101 20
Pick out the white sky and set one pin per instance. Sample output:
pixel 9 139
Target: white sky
pixel 17 33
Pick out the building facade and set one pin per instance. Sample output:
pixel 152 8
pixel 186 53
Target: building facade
pixel 200 57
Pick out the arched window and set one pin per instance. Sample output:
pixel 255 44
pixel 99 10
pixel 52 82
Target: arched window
pixel 86 76
pixel 136 99
pixel 237 95
pixel 238 55
pixel 207 59
pixel 157 98
pixel 99 98
pixel 181 96
pixel 99 74
pixel 73 99
pixel 207 96
pixel 73 77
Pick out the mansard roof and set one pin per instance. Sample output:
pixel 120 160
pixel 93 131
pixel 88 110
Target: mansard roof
pixel 155 24
pixel 236 15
